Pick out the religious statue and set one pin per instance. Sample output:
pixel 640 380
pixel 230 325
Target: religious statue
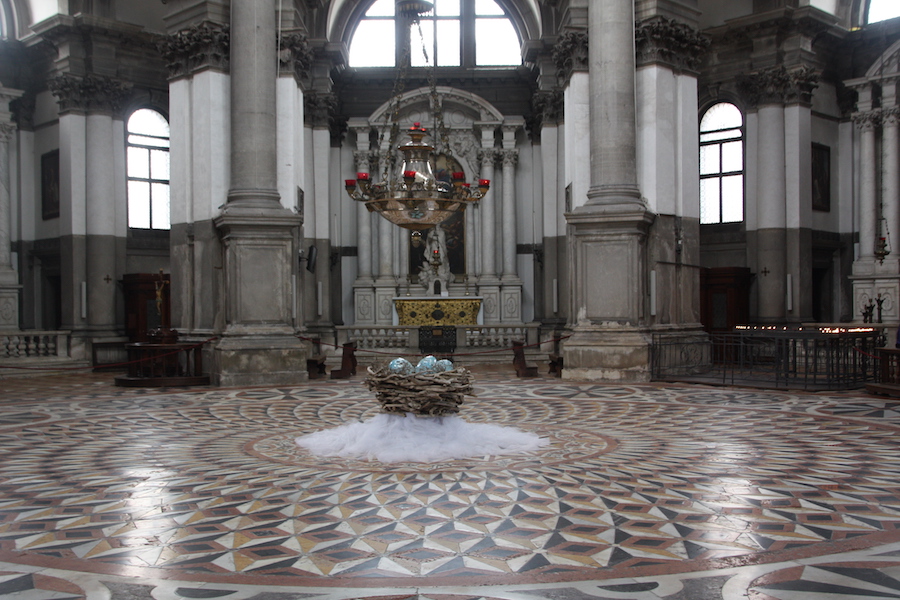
pixel 435 273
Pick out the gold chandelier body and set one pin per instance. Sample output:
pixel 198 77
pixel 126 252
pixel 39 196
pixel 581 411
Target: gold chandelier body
pixel 414 198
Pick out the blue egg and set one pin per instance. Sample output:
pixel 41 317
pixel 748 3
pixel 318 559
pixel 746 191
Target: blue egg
pixel 443 365
pixel 426 365
pixel 401 366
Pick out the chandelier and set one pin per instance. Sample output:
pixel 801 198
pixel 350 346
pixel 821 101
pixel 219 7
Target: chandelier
pixel 410 195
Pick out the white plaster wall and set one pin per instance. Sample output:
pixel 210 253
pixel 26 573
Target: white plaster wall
pixel 655 87
pixel 290 149
pixel 798 167
pixel 751 168
pixel 181 153
pixel 528 181
pixel 72 184
pixel 847 165
pixel 688 147
pixel 827 132
pixel 100 204
pixel 210 105
pixel 577 138
pixel 829 6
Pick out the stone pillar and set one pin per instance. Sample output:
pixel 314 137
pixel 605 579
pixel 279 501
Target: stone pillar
pixel 260 236
pixel 511 286
pixel 890 176
pixel 488 282
pixel 770 208
pixel 9 279
pixel 607 235
pixel 868 185
pixel 363 287
pixel 613 129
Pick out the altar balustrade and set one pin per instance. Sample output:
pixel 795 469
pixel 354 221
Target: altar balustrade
pixel 388 341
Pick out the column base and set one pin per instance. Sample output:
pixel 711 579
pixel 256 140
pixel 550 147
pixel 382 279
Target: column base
pixel 596 353
pixel 259 360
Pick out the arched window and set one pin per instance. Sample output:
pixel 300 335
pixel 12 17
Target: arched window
pixel 468 33
pixel 722 165
pixel 881 10
pixel 148 170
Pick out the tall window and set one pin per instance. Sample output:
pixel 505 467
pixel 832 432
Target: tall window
pixel 148 170
pixel 881 10
pixel 722 165
pixel 456 33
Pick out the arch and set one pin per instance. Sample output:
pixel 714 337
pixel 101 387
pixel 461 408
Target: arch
pixel 451 98
pixel 886 64
pixel 343 15
pixel 15 17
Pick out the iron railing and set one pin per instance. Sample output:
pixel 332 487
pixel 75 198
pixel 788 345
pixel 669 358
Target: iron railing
pixel 799 358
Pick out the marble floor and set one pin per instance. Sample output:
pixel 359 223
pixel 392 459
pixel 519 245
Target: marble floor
pixel 682 492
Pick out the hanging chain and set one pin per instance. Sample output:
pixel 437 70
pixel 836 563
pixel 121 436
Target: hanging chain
pixel 437 109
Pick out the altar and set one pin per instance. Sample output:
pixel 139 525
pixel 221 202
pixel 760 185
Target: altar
pixel 437 311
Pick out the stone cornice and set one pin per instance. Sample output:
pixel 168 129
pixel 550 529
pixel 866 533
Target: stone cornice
pixel 202 46
pixel 91 93
pixel 780 85
pixel 666 41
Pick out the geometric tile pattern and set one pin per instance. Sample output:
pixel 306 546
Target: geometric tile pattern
pixel 637 481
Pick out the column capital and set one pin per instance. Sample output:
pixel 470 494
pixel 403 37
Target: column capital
pixel 868 120
pixel 668 42
pixel 509 157
pixel 91 93
pixel 295 56
pixel 206 45
pixel 7 131
pixel 571 54
pixel 890 116
pixel 549 107
pixel 780 85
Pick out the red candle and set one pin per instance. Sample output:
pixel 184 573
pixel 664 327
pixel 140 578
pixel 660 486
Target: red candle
pixel 362 176
pixel 484 183
pixel 457 175
pixel 350 183
pixel 409 174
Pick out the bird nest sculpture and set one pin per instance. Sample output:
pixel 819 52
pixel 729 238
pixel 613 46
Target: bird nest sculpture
pixel 422 394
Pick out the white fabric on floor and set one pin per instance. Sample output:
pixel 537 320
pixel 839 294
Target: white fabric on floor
pixel 407 438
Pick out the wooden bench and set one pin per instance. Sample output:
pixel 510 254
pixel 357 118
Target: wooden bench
pixel 556 365
pixel 523 368
pixel 348 362
pixel 315 366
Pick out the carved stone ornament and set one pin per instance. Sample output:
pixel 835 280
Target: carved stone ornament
pixel 779 85
pixel 294 55
pixel 7 130
pixel 89 93
pixel 319 109
pixel 571 54
pixel 890 116
pixel 202 46
pixel 868 120
pixel 548 106
pixel 667 41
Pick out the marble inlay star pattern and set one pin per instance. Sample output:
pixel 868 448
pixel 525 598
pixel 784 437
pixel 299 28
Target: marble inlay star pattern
pixel 637 482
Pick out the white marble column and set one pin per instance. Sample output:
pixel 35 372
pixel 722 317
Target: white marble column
pixel 9 279
pixel 890 163
pixel 868 184
pixel 258 343
pixel 488 222
pixel 363 220
pixel 100 209
pixel 770 213
pixel 510 159
pixel 612 103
